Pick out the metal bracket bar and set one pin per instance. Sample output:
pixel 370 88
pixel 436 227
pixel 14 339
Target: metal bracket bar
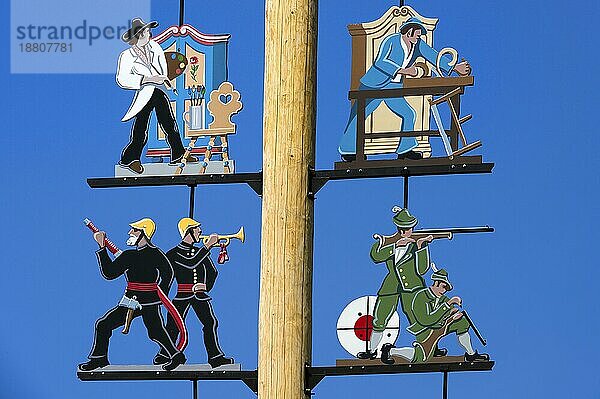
pixel 405 192
pixel 192 201
pixel 256 186
pixel 314 375
pixel 445 388
pixel 311 380
pixel 251 383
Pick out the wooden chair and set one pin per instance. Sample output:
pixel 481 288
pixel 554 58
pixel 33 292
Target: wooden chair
pixel 224 103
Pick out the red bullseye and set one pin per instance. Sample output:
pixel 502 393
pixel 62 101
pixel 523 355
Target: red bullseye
pixel 364 327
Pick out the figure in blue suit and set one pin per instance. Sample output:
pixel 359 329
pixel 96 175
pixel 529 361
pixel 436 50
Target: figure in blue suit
pixel 395 59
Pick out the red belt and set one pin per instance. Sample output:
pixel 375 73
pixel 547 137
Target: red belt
pixel 142 286
pixel 184 287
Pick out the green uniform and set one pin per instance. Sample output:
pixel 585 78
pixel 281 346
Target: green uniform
pixel 429 313
pixel 403 280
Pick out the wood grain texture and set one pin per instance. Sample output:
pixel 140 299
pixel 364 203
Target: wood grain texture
pixel 285 317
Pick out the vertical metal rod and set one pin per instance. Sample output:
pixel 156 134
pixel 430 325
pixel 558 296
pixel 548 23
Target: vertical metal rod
pixel 445 393
pixel 194 389
pixel 360 129
pixel 405 192
pixel 192 194
pixel 181 8
pixel 401 3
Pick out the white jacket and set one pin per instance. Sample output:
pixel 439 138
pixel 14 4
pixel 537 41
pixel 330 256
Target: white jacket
pixel 130 72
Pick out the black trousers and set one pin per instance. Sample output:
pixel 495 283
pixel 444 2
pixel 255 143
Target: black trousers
pixel 139 132
pixel 206 315
pixel 115 318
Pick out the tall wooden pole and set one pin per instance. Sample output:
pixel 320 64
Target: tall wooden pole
pixel 285 316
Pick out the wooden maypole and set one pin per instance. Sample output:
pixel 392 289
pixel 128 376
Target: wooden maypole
pixel 285 319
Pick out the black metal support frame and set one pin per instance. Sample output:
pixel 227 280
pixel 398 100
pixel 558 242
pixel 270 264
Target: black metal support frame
pixel 318 178
pixel 249 378
pixel 254 180
pixel 321 177
pixel 314 375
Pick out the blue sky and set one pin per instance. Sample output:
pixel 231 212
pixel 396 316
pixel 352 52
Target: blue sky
pixel 530 286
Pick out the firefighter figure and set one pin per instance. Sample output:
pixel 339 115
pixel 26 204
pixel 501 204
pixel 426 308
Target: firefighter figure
pixel 149 275
pixel 195 274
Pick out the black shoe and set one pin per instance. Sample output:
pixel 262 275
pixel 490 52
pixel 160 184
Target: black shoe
pixel 385 354
pixel 410 155
pixel 175 361
pixel 94 363
pixel 220 361
pixel 477 357
pixel 160 359
pixel 439 352
pixel 349 157
pixel 367 355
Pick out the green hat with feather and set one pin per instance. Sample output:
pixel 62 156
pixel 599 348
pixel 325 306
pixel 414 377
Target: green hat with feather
pixel 403 219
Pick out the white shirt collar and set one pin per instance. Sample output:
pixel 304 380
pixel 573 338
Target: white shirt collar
pixel 407 55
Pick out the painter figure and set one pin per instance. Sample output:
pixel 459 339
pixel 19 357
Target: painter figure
pixel 143 68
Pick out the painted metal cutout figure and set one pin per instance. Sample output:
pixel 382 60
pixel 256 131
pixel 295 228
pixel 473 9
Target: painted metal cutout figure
pixel 406 256
pixel 396 60
pixel 149 276
pixel 432 316
pixel 143 67
pixel 196 275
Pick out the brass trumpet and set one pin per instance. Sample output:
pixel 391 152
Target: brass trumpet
pixel 239 236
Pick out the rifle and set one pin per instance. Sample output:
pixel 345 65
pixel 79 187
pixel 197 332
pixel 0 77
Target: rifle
pixel 446 233
pixel 475 330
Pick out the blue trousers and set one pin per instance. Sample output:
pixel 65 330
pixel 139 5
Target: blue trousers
pixel 398 106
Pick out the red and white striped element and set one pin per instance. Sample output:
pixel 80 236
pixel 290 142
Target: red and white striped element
pixel 188 30
pixel 109 244
pixel 355 326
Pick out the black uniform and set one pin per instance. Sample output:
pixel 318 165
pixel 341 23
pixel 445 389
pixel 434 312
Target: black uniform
pixel 193 265
pixel 147 264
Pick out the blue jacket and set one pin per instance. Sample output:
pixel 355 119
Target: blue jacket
pixel 390 57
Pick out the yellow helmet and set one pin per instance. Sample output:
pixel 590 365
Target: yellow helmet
pixel 185 224
pixel 147 225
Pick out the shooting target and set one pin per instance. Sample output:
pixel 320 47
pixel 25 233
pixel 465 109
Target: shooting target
pixel 355 326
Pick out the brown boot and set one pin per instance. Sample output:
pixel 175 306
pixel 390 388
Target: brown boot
pixel 190 159
pixel 134 166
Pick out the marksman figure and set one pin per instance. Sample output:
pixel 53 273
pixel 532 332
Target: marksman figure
pixel 433 315
pixel 407 260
